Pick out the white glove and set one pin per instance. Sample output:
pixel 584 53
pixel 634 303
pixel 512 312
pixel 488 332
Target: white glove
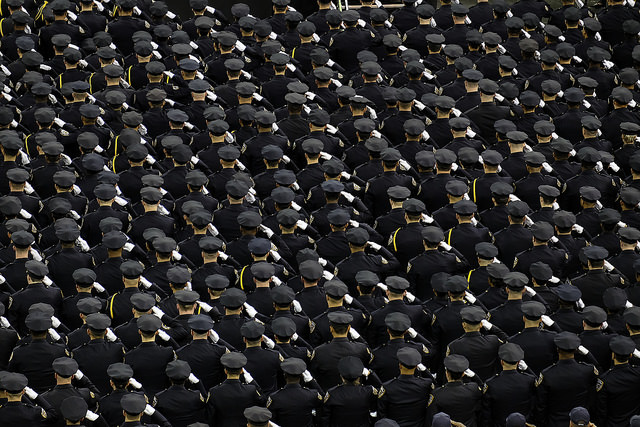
pixel 266 231
pixel 98 287
pixel 348 299
pixel 469 373
pixel 78 375
pixel 301 224
pixel 276 256
pixel 111 337
pixel 410 297
pixel 250 310
pixel 469 297
pixel 296 207
pixel 373 245
pixel 91 416
pixel 54 334
pixel 296 306
pixel 276 281
pixel 548 321
pixel 163 335
pixel 149 410
pixel 55 322
pixel 157 312
pixel 366 372
pixel 350 197
pixel 31 393
pixel 583 350
pixel 523 365
pixel 135 383
pixel 345 175
pixel 486 324
pixel 206 307
pixel 4 322
pixel 325 156
pixel 268 341
pixel 306 376
pixel 628 304
pixel 530 291
pixel 444 245
pixel 412 332
pixel 193 379
pixel 404 165
pixel 636 353
pixel 212 229
pixel 426 218
pixel 354 223
pixel 47 281
pixel 214 336
pixel 354 334
pixel 327 275
pixel 145 282
pixel 247 376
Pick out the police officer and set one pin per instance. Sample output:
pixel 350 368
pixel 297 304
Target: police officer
pixel 449 398
pixel 566 384
pixel 593 283
pixel 393 394
pixel 308 402
pixel 228 400
pixel 511 390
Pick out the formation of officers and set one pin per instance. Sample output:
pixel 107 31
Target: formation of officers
pixel 424 215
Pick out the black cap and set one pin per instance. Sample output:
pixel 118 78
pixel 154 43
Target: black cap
pixel 350 367
pixel 594 316
pixel 148 323
pixel 472 314
pixel 456 284
pixel 74 408
pixel 567 341
pixel 409 357
pixel 456 363
pixel 486 250
pixel 542 231
pixel 217 282
pixel 133 403
pixel 233 360
pixel 510 353
pixel 98 321
pixel 119 371
pixel 233 298
pixel 142 302
pixel 568 292
pixel 252 330
pixel 283 326
pixel 65 366
pixel 357 236
pixel 397 322
pixel 200 323
pixel 621 345
pixel 293 366
pixel 131 269
pixel 178 370
pixel 533 310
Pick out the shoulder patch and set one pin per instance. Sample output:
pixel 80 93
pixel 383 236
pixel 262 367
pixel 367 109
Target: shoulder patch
pixel 539 380
pixel 599 385
pixel 326 396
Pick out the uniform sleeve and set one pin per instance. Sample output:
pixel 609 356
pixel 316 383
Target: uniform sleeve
pixel 601 402
pixel 382 403
pixel 542 394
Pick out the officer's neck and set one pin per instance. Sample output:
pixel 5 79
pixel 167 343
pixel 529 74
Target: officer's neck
pixel 62 381
pixel 149 207
pixel 308 284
